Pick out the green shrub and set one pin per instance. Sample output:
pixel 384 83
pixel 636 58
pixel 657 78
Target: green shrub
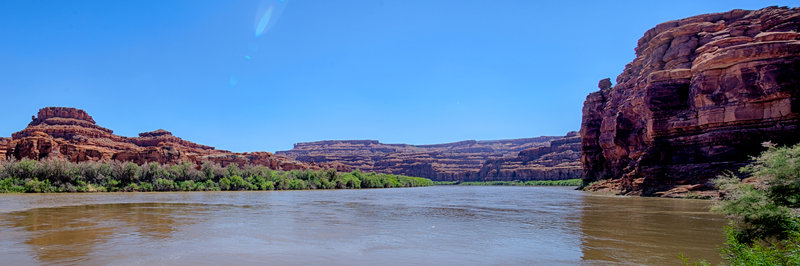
pixel 225 183
pixel 131 187
pixel 211 186
pixel 145 186
pixel 266 185
pixel 164 185
pixel 297 184
pixel 188 185
pixel 34 185
pixel 238 183
pixel 765 227
pixel 11 185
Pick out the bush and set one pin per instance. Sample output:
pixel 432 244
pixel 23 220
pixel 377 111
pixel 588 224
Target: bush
pixel 225 183
pixel 11 185
pixel 35 185
pixel 297 184
pixel 238 183
pixel 765 228
pixel 164 185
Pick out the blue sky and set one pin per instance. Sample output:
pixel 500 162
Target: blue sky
pixel 262 75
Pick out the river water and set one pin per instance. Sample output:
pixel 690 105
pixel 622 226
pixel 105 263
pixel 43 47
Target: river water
pixel 442 225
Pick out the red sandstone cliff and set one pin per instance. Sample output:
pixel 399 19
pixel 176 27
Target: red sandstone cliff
pixel 517 159
pixel 700 97
pixel 72 134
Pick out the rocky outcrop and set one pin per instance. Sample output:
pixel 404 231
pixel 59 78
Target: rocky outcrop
pixel 700 97
pixel 516 159
pixel 3 147
pixel 71 134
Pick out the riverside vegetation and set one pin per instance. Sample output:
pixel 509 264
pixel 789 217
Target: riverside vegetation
pixel 764 208
pixel 64 176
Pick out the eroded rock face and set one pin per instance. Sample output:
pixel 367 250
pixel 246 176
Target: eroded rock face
pixel 3 147
pixel 517 159
pixel 556 161
pixel 700 97
pixel 69 133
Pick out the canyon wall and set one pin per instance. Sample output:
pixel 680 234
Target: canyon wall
pixel 700 97
pixel 542 158
pixel 72 134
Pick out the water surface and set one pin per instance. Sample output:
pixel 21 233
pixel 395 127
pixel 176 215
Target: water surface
pixel 444 225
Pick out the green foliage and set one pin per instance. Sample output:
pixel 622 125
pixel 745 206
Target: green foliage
pixel 132 187
pixel 225 183
pixel 113 185
pixel 765 227
pixel 296 184
pixel 210 186
pixel 162 184
pixel 765 206
pixel 64 176
pixel 783 252
pixel 35 185
pixel 145 186
pixel 238 183
pixel 11 185
pixel 565 183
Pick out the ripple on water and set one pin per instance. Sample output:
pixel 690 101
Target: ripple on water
pixel 434 225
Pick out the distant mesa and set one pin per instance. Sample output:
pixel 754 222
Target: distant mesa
pixel 72 134
pixel 542 158
pixel 700 97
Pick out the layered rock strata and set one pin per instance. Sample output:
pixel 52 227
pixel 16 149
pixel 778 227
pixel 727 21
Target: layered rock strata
pixel 700 97
pixel 517 159
pixel 72 134
pixel 3 147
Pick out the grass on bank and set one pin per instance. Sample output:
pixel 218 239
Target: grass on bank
pixel 64 176
pixel 566 183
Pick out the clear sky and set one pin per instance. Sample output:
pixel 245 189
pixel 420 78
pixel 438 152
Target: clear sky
pixel 262 75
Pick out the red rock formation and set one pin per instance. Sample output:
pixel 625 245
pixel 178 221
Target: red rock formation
pixel 3 147
pixel 700 97
pixel 69 133
pixel 517 159
pixel 558 160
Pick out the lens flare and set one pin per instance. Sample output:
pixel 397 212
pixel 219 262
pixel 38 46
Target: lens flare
pixel 247 57
pixel 267 15
pixel 264 22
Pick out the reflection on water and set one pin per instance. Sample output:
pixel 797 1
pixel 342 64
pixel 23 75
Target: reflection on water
pixel 434 225
pixel 649 230
pixel 70 234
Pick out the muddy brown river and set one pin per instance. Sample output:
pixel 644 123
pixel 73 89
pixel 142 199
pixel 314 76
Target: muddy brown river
pixel 442 225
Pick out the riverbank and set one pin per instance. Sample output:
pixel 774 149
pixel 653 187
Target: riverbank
pixel 29 176
pixel 564 183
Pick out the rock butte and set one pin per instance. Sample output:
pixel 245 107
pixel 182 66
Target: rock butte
pixel 700 97
pixel 542 158
pixel 71 134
